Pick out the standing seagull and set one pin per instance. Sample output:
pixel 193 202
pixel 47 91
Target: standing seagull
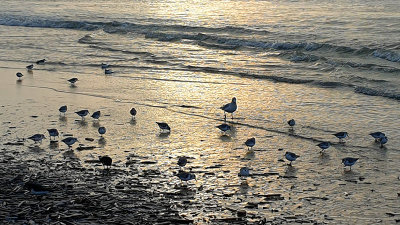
pixel 250 143
pixel 53 133
pixel 37 138
pixel 69 141
pixel 229 108
pixel 83 113
pixel 63 109
pixel 182 161
pixel 41 62
pixel 224 127
pixel 96 115
pixel 104 66
pixel 291 123
pixel 377 135
pixel 102 130
pixel 341 135
pixel 185 176
pixel 106 161
pixel 323 146
pixel 164 127
pixel 73 81
pixel 244 171
pixel 108 71
pixel 133 113
pixel 383 140
pixel 291 157
pixel 348 161
pixel 19 75
pixel 29 67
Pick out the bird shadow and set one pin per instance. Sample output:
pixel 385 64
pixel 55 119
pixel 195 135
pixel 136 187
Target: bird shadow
pixel 53 145
pixel 225 138
pixel 73 86
pixel 290 171
pixel 250 155
pixel 36 148
pixel 19 81
pixel 96 124
pixel 132 121
pixel 63 118
pixel 82 123
pixel 102 141
pixel 324 158
pixel 163 134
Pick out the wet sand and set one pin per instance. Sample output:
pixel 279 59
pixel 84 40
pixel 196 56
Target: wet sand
pixel 142 187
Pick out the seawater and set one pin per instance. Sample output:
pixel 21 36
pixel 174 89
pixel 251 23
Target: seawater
pixel 331 65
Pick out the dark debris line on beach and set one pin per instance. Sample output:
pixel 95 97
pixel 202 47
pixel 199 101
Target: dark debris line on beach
pixel 78 196
pixel 82 195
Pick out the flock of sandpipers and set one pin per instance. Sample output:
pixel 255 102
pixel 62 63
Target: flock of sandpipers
pixel 165 128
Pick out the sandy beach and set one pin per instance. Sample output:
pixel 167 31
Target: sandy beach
pixel 332 66
pixel 141 186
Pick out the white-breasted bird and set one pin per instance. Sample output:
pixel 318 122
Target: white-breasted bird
pixel 229 108
pixel 250 143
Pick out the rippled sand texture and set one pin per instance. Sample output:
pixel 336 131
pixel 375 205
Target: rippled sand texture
pixel 316 188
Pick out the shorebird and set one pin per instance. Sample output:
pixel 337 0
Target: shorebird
pixel 106 161
pixel 40 62
pixel 244 171
pixel 291 123
pixel 82 113
pixel 104 66
pixel 348 161
pixel 164 127
pixel 73 80
pixel 102 130
pixel 182 161
pixel 323 146
pixel 185 176
pixel 250 143
pixel 229 108
pixel 29 67
pixel 108 71
pixel 63 109
pixel 96 115
pixel 224 127
pixel 36 189
pixel 53 133
pixel 19 75
pixel 377 135
pixel 383 140
pixel 37 138
pixel 69 141
pixel 133 113
pixel 291 157
pixel 341 135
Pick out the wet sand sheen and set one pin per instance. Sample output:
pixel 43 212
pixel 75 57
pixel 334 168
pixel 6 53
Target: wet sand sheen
pixel 316 188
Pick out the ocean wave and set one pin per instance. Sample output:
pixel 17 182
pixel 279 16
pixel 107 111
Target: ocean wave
pixel 388 55
pixel 374 92
pixel 212 37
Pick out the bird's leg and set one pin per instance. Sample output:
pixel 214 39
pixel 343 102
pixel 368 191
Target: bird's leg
pixel 232 115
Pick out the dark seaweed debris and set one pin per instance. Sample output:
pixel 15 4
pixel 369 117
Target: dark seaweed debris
pixel 78 196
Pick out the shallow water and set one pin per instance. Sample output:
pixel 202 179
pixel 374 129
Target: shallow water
pixel 180 64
